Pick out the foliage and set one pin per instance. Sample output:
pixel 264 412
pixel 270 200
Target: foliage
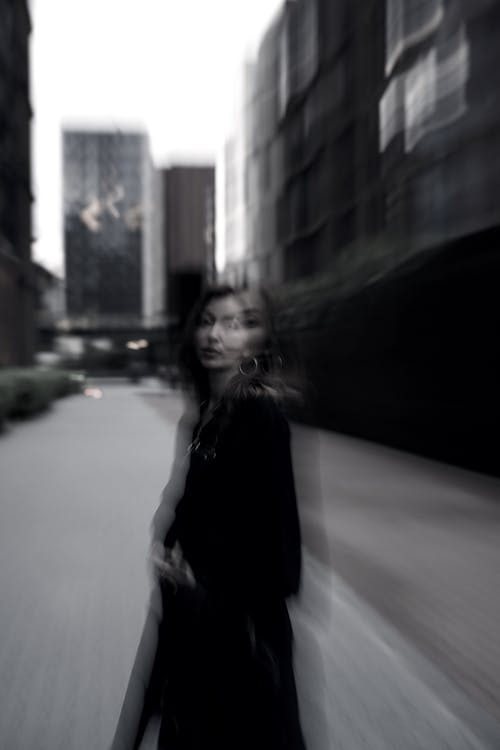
pixel 27 390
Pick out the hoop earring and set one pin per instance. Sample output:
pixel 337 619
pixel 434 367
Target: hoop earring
pixel 273 362
pixel 255 367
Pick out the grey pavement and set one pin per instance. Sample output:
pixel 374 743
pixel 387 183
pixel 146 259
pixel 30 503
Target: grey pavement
pixel 79 486
pixel 420 542
pixel 382 532
pixel 362 686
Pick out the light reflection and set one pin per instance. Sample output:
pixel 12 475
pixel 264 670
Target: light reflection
pixel 408 24
pixel 137 345
pixel 93 392
pixel 431 94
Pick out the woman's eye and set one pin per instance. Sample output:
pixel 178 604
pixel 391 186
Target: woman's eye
pixel 251 322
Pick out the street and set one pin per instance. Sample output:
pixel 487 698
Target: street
pixel 396 627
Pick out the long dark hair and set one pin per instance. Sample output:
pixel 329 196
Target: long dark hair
pixel 261 375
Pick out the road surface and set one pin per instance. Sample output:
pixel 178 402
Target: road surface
pixel 396 642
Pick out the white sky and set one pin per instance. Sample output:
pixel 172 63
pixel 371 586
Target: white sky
pixel 168 66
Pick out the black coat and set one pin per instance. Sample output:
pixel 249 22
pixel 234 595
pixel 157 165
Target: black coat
pixel 237 520
pixel 224 656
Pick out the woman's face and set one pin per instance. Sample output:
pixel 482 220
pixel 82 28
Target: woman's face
pixel 230 329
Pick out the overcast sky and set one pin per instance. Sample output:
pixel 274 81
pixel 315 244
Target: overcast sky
pixel 169 66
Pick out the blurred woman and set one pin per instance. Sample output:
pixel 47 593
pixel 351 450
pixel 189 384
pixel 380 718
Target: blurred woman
pixel 231 555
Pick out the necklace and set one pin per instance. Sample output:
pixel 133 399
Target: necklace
pixel 195 446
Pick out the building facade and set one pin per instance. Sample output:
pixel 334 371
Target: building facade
pixel 264 162
pixel 189 235
pixel 372 135
pixel 321 165
pixel 384 215
pixel 112 230
pixel 439 120
pixel 50 307
pixel 16 282
pixel 233 184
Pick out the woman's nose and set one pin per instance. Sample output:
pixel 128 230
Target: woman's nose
pixel 214 332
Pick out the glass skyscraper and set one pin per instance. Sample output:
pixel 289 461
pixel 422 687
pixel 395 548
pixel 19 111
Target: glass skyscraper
pixel 108 228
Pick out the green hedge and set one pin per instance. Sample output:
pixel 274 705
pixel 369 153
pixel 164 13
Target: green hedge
pixel 27 390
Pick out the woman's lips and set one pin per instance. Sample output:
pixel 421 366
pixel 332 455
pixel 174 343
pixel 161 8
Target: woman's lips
pixel 210 352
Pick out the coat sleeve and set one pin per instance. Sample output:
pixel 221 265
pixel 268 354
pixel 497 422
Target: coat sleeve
pixel 267 546
pixel 163 528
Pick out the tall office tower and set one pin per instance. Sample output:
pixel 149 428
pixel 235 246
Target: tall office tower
pixel 233 165
pixel 312 163
pixel 265 151
pixel 189 235
pixel 114 264
pixel 439 116
pixel 16 289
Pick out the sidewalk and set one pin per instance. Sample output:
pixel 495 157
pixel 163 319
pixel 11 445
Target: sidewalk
pixel 78 488
pixel 419 542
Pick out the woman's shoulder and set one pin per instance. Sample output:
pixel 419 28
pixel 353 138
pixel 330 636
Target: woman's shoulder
pixel 260 405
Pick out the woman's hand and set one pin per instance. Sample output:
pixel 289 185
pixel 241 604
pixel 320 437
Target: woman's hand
pixel 169 566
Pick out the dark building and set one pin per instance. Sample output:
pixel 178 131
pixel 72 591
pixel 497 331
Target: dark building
pixel 313 164
pixel 16 288
pixel 189 235
pixel 385 119
pixel 237 247
pixel 265 161
pixel 439 121
pixel 331 77
pixel 112 252
pixel 373 135
pixel 49 306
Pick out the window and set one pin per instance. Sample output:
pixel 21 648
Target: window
pixel 392 111
pixel 298 50
pixel 408 22
pixel 428 96
pixel 435 89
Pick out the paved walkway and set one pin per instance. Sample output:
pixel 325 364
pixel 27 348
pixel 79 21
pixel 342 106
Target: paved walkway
pixel 78 488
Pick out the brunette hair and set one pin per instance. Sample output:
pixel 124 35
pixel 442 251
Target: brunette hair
pixel 261 375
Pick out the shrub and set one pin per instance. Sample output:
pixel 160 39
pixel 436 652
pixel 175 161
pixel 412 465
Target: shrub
pixel 7 393
pixel 25 391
